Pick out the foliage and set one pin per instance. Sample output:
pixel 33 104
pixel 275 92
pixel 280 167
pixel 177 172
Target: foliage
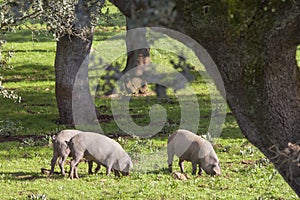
pixel 4 65
pixel 61 17
pixel 68 18
pixel 4 58
pixel 10 128
pixel 153 13
pixel 14 12
pixel 9 94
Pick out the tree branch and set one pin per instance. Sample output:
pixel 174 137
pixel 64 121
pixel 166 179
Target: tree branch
pixel 33 15
pixel 125 6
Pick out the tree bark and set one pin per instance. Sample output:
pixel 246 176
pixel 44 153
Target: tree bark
pixel 125 6
pixel 136 57
pixel 72 92
pixel 72 89
pixel 260 73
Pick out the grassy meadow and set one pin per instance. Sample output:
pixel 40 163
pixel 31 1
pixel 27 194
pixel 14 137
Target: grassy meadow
pixel 246 173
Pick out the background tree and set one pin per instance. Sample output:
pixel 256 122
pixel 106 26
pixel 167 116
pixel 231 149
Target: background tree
pixel 137 57
pixel 73 25
pixel 141 14
pixel 254 45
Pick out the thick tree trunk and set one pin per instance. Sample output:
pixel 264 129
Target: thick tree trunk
pixel 282 90
pixel 260 74
pixel 72 89
pixel 254 46
pixel 73 97
pixel 125 6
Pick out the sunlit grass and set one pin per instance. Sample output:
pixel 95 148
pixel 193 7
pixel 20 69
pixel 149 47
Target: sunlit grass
pixel 245 174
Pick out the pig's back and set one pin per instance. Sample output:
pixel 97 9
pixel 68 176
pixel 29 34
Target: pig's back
pixel 98 144
pixel 66 135
pixel 180 142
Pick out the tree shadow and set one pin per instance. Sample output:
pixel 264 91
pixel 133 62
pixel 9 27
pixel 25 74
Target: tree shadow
pixel 26 35
pixel 23 176
pixel 163 170
pixel 32 176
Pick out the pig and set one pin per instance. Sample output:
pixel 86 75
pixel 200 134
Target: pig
pixel 61 149
pixel 100 149
pixel 191 147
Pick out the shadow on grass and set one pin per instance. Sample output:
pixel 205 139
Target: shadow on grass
pixel 32 176
pixel 159 171
pixel 32 51
pixel 30 72
pixel 103 34
pixel 26 35
pixel 106 30
pixel 23 176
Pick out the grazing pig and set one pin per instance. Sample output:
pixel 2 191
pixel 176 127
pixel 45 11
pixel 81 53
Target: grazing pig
pixel 61 149
pixel 100 149
pixel 191 147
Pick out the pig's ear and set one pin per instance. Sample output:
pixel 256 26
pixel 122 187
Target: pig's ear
pixel 217 170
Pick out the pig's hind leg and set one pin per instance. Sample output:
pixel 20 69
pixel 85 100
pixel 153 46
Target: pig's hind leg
pixel 97 168
pixel 170 158
pixel 73 165
pixel 61 163
pixel 53 162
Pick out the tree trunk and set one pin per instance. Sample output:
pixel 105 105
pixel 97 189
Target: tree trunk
pixel 136 57
pixel 253 44
pixel 72 89
pixel 73 97
pixel 260 73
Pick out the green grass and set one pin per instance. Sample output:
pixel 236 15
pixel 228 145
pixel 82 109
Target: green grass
pixel 246 174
